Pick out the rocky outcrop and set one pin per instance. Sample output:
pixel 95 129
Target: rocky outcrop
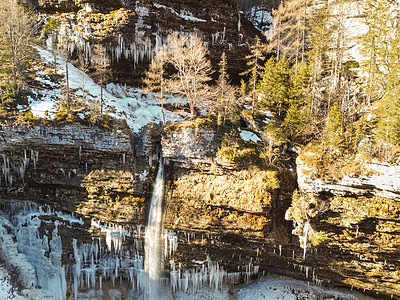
pixel 233 213
pixel 382 181
pixel 352 227
pixel 105 175
pixel 190 143
pixel 115 40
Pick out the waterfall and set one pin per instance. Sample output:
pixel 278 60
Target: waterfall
pixel 153 243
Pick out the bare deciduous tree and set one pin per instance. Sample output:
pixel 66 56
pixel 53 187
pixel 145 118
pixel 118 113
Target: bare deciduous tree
pixel 188 55
pixel 16 29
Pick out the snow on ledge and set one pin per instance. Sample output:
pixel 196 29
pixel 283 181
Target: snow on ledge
pixel 184 14
pixel 249 136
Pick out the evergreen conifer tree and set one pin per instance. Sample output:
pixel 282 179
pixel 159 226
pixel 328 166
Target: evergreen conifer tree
pixel 275 85
pixel 254 62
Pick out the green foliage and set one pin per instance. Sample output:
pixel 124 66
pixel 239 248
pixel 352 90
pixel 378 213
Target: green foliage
pixel 226 108
pixel 234 150
pixel 109 123
pixel 271 181
pixel 376 44
pixel 296 196
pixel 317 238
pixel 202 122
pixel 10 103
pixel 300 82
pixel 294 124
pixel 50 26
pixel 243 89
pixel 334 127
pixel 275 85
pixel 387 65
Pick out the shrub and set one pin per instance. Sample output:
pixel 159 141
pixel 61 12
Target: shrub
pixel 234 150
pixel 317 238
pixel 51 24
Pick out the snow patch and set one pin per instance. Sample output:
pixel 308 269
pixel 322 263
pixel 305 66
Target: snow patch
pixel 184 14
pixel 249 136
pixel 284 289
pixel 260 17
pixel 131 104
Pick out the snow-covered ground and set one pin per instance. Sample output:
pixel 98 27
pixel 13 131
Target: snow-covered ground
pixel 288 289
pixel 135 106
pixel 260 17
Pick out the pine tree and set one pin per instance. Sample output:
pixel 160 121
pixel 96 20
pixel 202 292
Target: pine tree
pixel 275 85
pixel 225 107
pixel 155 77
pixel 318 60
pixel 381 46
pixel 334 130
pixel 388 126
pixel 376 45
pixel 223 79
pixel 254 62
pixel 293 125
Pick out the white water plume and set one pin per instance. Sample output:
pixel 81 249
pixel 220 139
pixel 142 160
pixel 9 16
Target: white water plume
pixel 153 244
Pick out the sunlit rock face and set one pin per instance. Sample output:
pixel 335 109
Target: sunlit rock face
pixel 355 226
pixel 116 40
pixel 235 214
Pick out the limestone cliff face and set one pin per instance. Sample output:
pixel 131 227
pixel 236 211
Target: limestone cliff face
pixel 382 180
pixel 233 215
pixel 226 211
pixel 118 38
pixel 353 223
pixel 99 174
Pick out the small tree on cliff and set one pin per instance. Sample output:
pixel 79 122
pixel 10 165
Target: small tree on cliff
pixel 253 61
pixel 225 106
pixel 188 56
pixel 156 77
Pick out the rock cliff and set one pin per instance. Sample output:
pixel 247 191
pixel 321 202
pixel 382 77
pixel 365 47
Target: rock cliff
pixel 115 40
pixel 231 214
pixel 352 226
pixel 99 174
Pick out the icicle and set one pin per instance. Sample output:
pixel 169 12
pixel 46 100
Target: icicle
pixel 34 157
pixel 305 237
pixel 10 180
pixel 123 158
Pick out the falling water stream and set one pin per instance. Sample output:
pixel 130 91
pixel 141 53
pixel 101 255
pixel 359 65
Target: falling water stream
pixel 153 234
